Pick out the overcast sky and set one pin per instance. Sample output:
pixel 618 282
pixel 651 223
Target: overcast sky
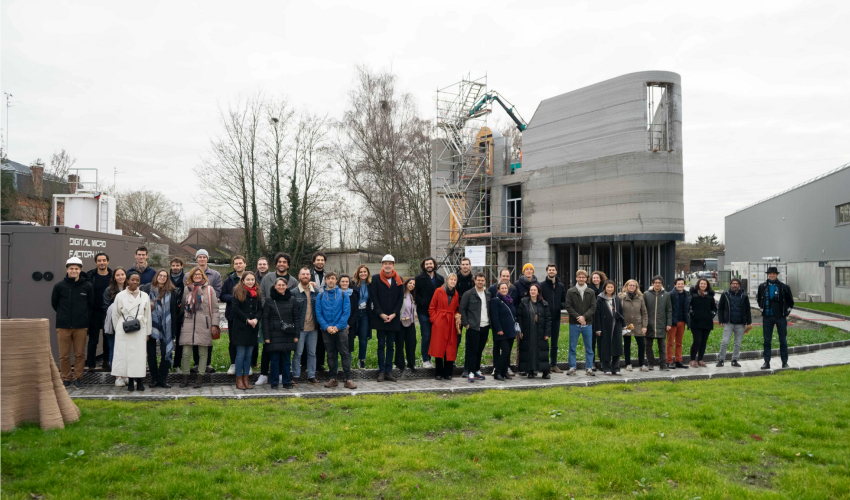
pixel 136 86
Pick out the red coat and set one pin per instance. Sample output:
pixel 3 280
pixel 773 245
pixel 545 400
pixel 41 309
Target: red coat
pixel 444 330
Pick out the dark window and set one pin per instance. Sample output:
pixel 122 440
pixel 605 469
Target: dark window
pixel 515 263
pixel 514 208
pixel 842 213
pixel 842 276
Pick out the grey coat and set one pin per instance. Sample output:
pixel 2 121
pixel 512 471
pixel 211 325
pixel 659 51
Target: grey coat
pixel 634 313
pixel 659 310
pixel 470 309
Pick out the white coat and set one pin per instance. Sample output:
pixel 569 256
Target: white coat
pixel 130 357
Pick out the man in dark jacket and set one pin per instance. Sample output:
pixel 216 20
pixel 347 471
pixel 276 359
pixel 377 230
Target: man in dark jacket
pixel 475 317
pixel 733 314
pixel 465 283
pixel 581 306
pixel 775 301
pixel 524 282
pixel 178 279
pixel 73 300
pixel 426 284
pixel 238 262
pixel 555 293
pixel 317 279
pixel 504 277
pixel 99 277
pixel 141 267
pixel 659 309
pixel 681 302
pixel 387 293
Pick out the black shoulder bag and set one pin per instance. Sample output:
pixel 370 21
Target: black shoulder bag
pixel 132 325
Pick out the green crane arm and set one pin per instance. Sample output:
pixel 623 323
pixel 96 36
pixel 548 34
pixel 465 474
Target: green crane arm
pixel 507 106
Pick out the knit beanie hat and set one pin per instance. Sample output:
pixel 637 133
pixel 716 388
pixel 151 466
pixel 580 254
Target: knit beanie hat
pixel 526 267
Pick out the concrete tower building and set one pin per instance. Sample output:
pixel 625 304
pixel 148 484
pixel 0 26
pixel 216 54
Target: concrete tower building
pixel 600 185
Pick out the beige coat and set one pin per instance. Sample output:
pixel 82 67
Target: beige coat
pixel 634 311
pixel 197 328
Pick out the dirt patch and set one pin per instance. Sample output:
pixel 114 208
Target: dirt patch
pixel 321 455
pixel 756 476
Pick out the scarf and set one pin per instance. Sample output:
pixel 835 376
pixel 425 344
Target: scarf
pixel 394 276
pixel 507 299
pixel 140 268
pixel 193 302
pixel 581 289
pixel 252 291
pixel 161 315
pixel 632 295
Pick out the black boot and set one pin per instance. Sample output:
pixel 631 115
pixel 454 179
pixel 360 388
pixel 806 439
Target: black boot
pixel 131 384
pixel 765 366
pixel 199 381
pixel 185 382
pixel 681 366
pixel 139 385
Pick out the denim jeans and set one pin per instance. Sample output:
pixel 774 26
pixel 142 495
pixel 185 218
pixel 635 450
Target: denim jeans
pixel 308 340
pixel 386 341
pixel 280 365
pixel 363 332
pixel 781 324
pixel 243 359
pixel 586 333
pixel 425 330
pixel 110 340
pixel 728 330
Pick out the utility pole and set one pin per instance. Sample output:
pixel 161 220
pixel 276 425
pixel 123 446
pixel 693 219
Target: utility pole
pixel 8 105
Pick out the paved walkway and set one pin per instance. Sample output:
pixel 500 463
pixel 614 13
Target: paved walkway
pixel 751 367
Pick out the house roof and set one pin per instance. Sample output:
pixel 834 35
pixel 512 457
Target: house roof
pixel 20 168
pixel 151 235
pixel 798 186
pixel 231 239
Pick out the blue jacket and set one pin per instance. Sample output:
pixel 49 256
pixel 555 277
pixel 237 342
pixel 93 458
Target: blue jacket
pixel 302 304
pixel 333 308
pixel 680 311
pixel 503 317
pixel 146 276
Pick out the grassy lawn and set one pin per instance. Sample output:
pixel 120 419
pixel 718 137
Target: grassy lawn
pixel 754 340
pixel 781 436
pixel 827 307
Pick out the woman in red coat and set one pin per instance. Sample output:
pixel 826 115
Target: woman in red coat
pixel 445 327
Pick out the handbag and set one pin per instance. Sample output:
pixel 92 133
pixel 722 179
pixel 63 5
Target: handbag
pixel 288 328
pixel 132 325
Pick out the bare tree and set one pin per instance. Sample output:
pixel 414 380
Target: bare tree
pixel 35 202
pixel 277 147
pixel 311 153
pixel 231 174
pixel 510 130
pixel 383 148
pixel 139 210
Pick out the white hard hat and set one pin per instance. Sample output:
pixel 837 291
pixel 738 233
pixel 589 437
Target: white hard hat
pixel 388 258
pixel 72 261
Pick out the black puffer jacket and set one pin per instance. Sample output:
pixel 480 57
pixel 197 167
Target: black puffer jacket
pixel 280 310
pixel 73 302
pixel 702 310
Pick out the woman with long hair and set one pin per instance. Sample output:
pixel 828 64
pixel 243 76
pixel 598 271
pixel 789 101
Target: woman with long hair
pixel 117 283
pixel 164 311
pixel 535 325
pixel 608 323
pixel 200 323
pixel 405 342
pixel 503 313
pixel 129 357
pixel 636 319
pixel 445 327
pixel 703 308
pixel 362 280
pixel 247 305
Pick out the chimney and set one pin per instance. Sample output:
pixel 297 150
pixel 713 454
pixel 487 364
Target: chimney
pixel 73 180
pixel 37 169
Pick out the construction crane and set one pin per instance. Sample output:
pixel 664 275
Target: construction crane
pixel 491 96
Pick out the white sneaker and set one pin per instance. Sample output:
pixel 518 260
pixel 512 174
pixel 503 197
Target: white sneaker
pixel 119 382
pixel 231 370
pixel 628 367
pixel 262 379
pixel 179 372
pixel 427 364
pixel 510 372
pixel 250 371
pixel 644 368
pixel 281 379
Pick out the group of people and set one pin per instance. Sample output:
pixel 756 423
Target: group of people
pixel 167 317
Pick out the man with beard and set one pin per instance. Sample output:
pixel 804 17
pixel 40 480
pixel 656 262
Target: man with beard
pixel 426 284
pixel 555 293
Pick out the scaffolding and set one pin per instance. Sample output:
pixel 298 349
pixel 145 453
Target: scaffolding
pixel 464 174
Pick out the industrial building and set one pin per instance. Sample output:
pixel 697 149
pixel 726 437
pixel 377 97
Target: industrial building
pixel 806 227
pixel 598 183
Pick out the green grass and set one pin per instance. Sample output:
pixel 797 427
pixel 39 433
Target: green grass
pixel 829 307
pixel 753 341
pixel 781 436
